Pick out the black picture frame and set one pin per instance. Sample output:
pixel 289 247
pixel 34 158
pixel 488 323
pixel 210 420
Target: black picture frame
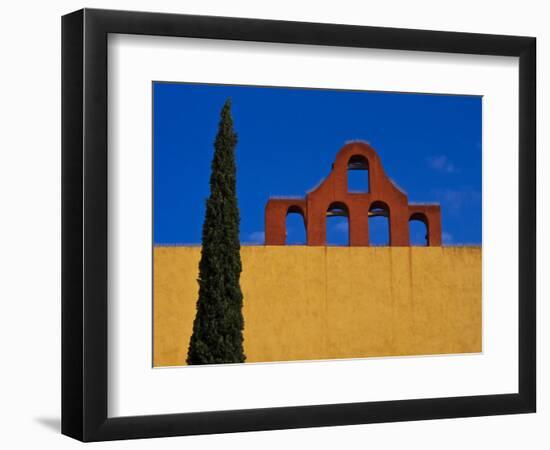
pixel 84 224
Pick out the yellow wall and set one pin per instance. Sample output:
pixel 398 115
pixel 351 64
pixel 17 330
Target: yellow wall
pixel 331 302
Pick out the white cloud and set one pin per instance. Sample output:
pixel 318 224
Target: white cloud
pixel 257 237
pixel 342 226
pixel 442 164
pixel 457 199
pixel 447 238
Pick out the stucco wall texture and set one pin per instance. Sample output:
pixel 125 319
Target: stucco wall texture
pixel 304 303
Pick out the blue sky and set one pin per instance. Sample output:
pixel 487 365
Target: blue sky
pixel 430 146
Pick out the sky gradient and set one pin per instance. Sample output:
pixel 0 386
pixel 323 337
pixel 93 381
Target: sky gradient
pixel 430 145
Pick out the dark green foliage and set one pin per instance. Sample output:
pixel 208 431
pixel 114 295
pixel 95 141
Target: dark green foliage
pixel 217 329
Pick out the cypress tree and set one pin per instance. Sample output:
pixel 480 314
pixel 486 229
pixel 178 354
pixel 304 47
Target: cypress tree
pixel 217 330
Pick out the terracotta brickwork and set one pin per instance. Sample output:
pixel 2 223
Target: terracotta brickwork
pixel 332 197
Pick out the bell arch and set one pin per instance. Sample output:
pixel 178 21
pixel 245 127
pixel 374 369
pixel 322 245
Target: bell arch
pixel 419 230
pixel 379 224
pixel 337 224
pixel 358 175
pixel 295 226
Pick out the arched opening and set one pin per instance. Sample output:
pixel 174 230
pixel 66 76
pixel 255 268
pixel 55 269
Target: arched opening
pixel 379 224
pixel 337 224
pixel 295 227
pixel 358 174
pixel 418 230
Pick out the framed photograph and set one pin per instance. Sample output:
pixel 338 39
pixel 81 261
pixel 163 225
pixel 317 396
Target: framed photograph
pixel 273 224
